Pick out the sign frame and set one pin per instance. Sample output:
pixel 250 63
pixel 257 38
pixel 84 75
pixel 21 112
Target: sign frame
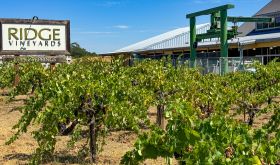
pixel 65 23
pixel 36 59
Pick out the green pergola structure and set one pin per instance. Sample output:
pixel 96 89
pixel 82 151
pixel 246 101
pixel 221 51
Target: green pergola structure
pixel 219 16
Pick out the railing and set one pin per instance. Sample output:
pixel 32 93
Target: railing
pixel 267 58
pixel 213 64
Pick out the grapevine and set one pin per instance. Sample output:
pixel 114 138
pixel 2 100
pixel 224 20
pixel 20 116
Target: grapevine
pixel 200 111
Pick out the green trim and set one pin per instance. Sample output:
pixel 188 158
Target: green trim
pixel 247 19
pixel 192 40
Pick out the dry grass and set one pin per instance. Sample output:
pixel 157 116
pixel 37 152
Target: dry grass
pixel 117 143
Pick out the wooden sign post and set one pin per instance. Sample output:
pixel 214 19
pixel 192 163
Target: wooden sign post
pixel 17 77
pixel 52 65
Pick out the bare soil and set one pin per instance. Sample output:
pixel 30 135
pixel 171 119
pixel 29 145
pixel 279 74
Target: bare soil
pixel 117 143
pixel 19 152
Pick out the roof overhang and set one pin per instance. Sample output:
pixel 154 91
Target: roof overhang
pixel 249 41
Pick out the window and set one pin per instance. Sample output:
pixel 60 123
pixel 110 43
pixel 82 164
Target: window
pixel 265 25
pixel 277 22
pixel 259 26
pixel 272 25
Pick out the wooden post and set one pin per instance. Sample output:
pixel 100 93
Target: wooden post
pixel 17 77
pixel 52 65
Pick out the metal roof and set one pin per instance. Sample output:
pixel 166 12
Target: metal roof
pixel 179 38
pixel 175 38
pixel 272 7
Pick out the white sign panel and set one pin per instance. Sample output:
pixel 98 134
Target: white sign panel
pixel 16 37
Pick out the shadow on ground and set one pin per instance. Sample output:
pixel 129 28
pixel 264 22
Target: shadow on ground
pixel 17 156
pixel 58 158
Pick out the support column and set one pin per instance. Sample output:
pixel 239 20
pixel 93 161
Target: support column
pixel 192 41
pixel 241 67
pixel 224 43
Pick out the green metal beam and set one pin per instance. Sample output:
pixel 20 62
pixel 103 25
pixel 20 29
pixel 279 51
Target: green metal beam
pixel 224 42
pixel 246 19
pixel 218 15
pixel 192 41
pixel 216 34
pixel 210 11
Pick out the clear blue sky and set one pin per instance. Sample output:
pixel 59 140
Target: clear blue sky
pixel 106 25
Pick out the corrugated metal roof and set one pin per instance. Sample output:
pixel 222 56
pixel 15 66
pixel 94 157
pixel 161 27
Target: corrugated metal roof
pixel 175 38
pixel 179 38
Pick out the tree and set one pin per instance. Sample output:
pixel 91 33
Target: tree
pixel 78 51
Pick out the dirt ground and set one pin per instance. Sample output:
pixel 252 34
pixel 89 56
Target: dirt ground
pixel 19 152
pixel 117 143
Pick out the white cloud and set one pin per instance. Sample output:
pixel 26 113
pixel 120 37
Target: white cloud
pixel 207 1
pixel 111 3
pixel 95 32
pixel 121 26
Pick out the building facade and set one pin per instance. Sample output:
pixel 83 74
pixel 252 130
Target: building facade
pixel 256 40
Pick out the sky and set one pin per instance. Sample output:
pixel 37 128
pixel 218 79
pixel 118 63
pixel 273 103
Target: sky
pixel 103 26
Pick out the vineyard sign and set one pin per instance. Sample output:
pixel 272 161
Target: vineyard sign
pixel 34 37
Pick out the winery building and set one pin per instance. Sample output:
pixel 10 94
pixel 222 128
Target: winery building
pixel 256 40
